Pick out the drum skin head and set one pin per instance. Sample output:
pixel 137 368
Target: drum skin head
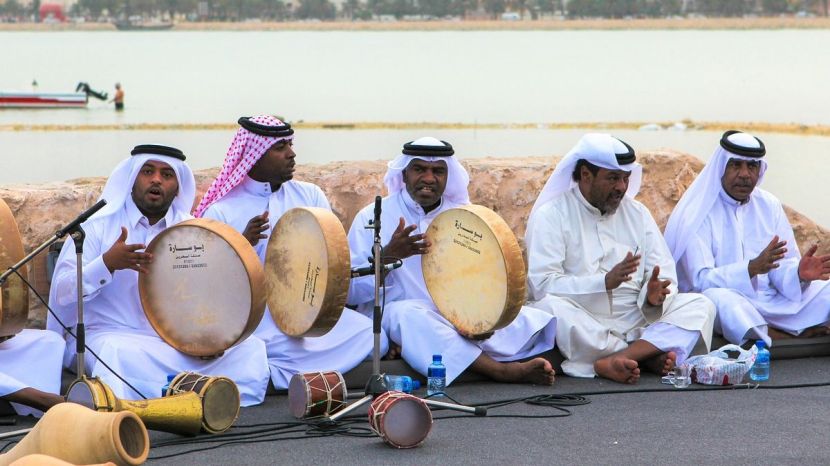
pixel 474 270
pixel 400 419
pixel 307 271
pixel 204 291
pixel 14 295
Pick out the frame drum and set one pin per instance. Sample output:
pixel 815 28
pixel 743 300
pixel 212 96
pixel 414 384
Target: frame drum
pixel 400 419
pixel 220 398
pixel 14 295
pixel 307 268
pixel 474 271
pixel 204 290
pixel 312 394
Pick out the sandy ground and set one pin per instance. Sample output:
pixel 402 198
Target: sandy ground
pixel 469 25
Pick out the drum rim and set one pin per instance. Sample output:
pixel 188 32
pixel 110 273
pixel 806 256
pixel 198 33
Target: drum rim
pixel 514 264
pixel 103 398
pixel 12 321
pixel 333 303
pixel 252 266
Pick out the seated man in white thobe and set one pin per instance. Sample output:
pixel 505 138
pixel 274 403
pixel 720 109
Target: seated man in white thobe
pixel 733 243
pixel 30 370
pixel 150 191
pixel 422 182
pixel 598 262
pixel 253 190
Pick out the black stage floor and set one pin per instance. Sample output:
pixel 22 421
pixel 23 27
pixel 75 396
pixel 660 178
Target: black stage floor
pixel 649 423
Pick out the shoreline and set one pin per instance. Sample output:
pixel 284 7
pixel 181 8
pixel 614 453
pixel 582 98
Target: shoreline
pixel 760 127
pixel 759 23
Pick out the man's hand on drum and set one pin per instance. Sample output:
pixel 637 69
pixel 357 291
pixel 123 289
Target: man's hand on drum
pixel 255 229
pixel 404 244
pixel 126 256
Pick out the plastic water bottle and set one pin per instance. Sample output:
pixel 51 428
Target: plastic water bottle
pixel 436 376
pixel 760 370
pixel 167 385
pixel 402 383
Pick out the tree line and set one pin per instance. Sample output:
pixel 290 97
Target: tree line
pixel 284 10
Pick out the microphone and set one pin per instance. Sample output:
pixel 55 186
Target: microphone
pixel 81 218
pixel 378 200
pixel 370 269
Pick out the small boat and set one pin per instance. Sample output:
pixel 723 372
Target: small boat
pixel 15 99
pixel 141 25
pixel 35 99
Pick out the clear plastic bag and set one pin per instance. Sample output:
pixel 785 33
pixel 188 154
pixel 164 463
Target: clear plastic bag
pixel 717 368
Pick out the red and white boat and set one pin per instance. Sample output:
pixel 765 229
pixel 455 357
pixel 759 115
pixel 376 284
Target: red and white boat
pixel 21 99
pixel 34 99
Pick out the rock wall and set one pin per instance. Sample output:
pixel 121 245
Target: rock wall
pixel 509 186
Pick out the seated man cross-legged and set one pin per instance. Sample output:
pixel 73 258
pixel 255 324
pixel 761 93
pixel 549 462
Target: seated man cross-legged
pixel 424 181
pixel 148 192
pixel 734 244
pixel 597 261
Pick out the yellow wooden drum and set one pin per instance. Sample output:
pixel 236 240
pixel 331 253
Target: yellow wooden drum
pixel 14 295
pixel 204 291
pixel 474 271
pixel 307 270
pixel 219 395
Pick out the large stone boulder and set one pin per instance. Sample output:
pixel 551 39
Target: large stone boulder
pixel 509 186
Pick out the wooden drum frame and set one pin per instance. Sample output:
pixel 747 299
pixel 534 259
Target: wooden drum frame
pixel 307 270
pixel 205 289
pixel 14 295
pixel 474 270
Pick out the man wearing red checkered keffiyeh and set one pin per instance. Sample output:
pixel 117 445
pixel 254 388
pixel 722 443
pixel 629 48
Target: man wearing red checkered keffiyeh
pixel 253 190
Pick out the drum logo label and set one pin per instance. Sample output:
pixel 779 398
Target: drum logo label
pixel 188 260
pixel 310 289
pixel 467 238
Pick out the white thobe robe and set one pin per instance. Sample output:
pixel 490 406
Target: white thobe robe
pixel 716 263
pixel 117 328
pixel 411 318
pixel 571 246
pixel 344 346
pixel 32 358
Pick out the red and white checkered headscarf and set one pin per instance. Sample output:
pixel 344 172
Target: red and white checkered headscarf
pixel 247 147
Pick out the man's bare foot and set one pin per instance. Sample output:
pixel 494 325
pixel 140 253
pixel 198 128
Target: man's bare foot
pixel 817 331
pixel 394 352
pixel 661 364
pixel 537 371
pixel 618 369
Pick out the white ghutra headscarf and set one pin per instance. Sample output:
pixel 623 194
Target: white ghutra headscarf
pixel 600 149
pixel 119 185
pixel 694 206
pixel 430 149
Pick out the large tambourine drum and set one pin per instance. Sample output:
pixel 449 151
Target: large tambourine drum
pixel 219 395
pixel 474 270
pixel 312 394
pixel 307 271
pixel 400 419
pixel 204 291
pixel 14 295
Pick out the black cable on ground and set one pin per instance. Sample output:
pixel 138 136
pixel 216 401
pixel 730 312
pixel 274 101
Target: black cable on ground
pixel 69 331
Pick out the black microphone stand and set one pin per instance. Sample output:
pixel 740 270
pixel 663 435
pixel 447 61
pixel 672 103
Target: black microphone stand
pixel 376 385
pixel 73 229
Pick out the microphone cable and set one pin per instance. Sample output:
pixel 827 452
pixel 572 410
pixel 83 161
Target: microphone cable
pixel 69 331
